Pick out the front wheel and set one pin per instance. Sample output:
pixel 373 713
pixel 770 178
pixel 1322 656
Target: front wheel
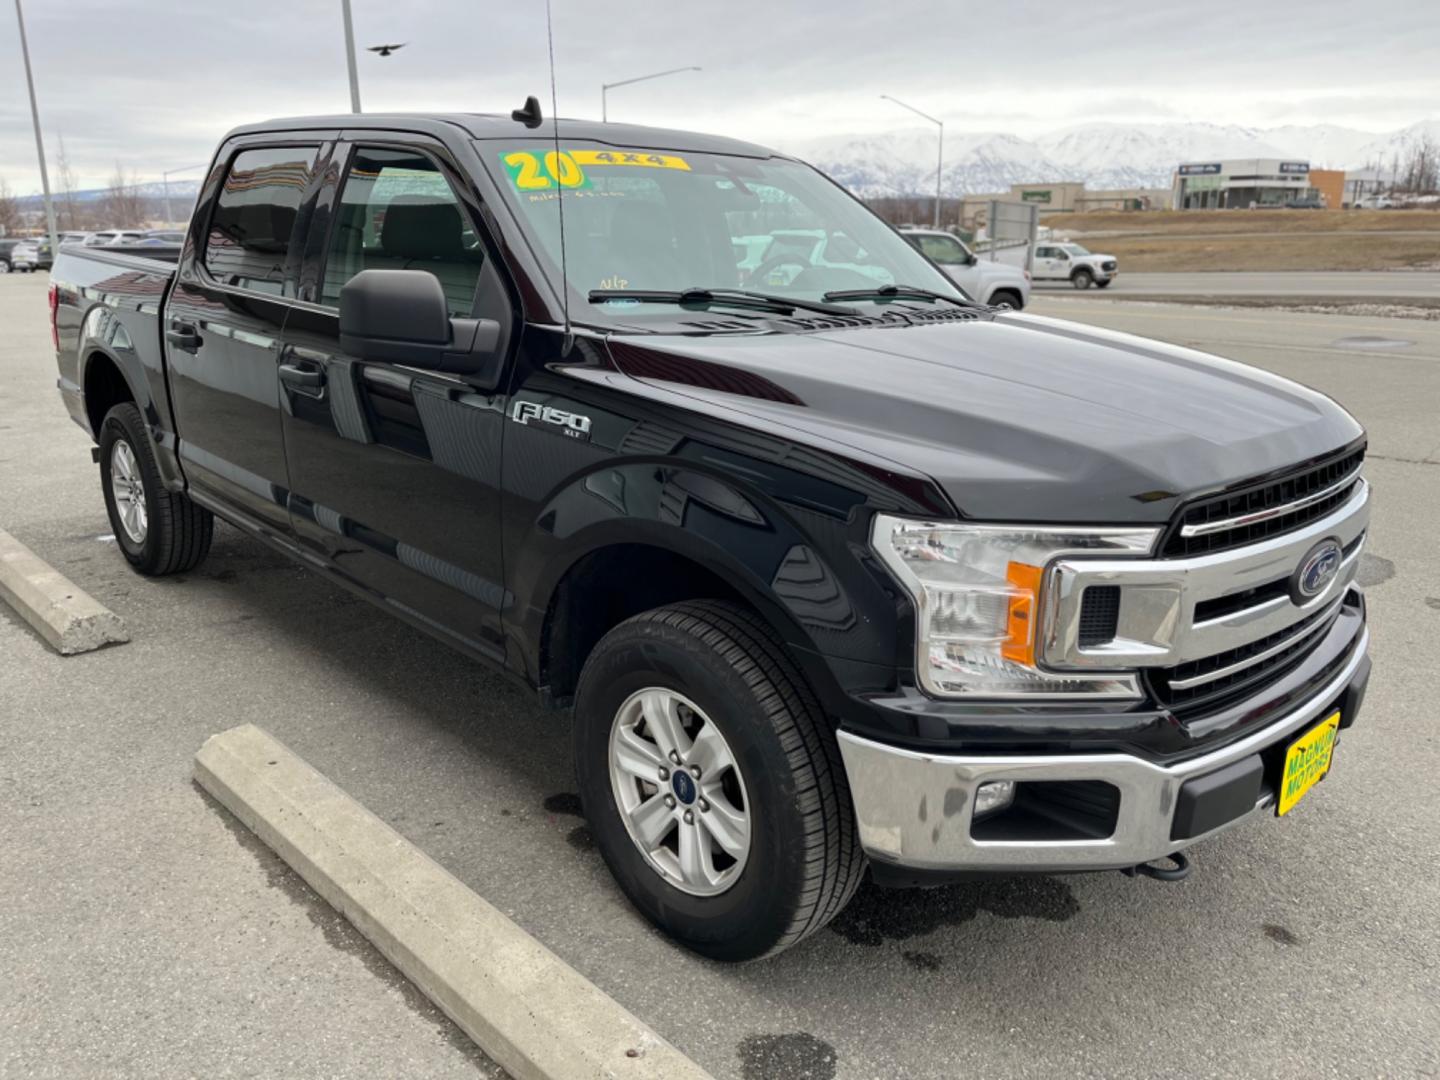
pixel 712 781
pixel 1082 279
pixel 1006 299
pixel 158 531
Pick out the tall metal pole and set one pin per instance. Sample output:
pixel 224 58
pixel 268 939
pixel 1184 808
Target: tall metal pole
pixel 349 56
pixel 169 215
pixel 605 88
pixel 940 159
pixel 939 173
pixel 39 140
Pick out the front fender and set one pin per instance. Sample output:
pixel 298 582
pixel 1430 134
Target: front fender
pixel 795 565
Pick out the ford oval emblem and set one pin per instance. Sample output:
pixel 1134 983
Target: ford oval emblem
pixel 1316 571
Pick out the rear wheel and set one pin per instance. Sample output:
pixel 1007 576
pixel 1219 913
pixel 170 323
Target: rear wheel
pixel 1082 279
pixel 158 531
pixel 712 781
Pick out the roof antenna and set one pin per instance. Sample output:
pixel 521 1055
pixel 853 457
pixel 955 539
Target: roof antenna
pixel 529 114
pixel 569 339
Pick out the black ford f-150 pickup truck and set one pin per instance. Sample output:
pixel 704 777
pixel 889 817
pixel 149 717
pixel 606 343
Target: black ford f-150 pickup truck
pixel 836 568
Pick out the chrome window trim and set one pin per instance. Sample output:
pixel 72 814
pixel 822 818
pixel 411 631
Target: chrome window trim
pixel 1209 527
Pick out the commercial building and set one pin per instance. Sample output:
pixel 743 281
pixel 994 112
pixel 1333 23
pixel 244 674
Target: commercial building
pixel 1242 183
pixel 1063 197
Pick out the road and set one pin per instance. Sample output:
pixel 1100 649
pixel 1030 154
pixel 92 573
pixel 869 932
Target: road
pixel 143 934
pixel 1377 286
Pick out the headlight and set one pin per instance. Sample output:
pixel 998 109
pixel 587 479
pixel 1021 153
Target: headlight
pixel 977 592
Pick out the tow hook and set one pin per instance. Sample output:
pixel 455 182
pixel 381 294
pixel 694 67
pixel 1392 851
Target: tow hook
pixel 1178 872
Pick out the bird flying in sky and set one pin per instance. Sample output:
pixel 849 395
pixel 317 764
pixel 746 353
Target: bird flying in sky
pixel 386 50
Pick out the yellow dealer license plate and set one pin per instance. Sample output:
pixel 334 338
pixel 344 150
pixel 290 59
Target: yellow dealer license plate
pixel 1307 761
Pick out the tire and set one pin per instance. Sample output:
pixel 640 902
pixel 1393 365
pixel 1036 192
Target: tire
pixel 1104 284
pixel 803 861
pixel 1006 298
pixel 4 267
pixel 159 532
pixel 1082 279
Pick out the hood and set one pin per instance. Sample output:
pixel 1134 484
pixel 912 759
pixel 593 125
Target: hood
pixel 1017 417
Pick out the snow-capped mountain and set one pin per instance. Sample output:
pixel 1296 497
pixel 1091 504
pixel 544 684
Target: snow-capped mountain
pixel 1103 155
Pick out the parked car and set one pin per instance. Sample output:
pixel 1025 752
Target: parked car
pixel 988 281
pixel 1073 263
pixel 6 248
pixel 1375 202
pixel 113 237
pixel 1315 203
pixel 832 575
pixel 25 256
pixel 164 236
pixel 73 237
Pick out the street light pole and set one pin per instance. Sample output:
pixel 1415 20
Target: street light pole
pixel 39 140
pixel 605 88
pixel 940 158
pixel 349 56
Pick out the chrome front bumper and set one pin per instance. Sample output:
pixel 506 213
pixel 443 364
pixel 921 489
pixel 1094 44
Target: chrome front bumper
pixel 914 809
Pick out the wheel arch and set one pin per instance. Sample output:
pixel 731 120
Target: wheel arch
pixel 714 541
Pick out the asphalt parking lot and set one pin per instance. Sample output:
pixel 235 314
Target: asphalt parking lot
pixel 1374 286
pixel 143 932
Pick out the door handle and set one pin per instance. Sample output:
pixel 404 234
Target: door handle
pixel 302 378
pixel 183 336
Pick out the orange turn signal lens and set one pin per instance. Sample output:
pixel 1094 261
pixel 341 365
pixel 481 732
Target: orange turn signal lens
pixel 1019 643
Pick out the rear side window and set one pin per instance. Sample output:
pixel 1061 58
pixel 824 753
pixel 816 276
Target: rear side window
pixel 250 229
pixel 398 212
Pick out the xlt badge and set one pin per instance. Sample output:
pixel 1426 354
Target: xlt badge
pixel 572 425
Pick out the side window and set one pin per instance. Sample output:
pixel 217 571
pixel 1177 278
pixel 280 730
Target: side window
pixel 945 250
pixel 397 212
pixel 250 229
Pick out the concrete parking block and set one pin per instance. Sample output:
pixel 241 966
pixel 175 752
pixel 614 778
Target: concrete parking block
pixel 524 1006
pixel 67 617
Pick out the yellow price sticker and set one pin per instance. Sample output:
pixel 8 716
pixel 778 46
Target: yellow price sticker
pixel 643 159
pixel 532 170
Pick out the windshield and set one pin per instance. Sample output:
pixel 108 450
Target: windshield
pixel 655 220
pixel 1074 249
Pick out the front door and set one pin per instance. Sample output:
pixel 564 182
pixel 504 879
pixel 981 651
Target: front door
pixel 395 471
pixel 222 334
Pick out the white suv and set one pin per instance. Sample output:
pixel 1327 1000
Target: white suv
pixel 1073 263
pixel 989 282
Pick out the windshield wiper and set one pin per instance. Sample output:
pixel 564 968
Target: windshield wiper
pixel 898 292
pixel 733 297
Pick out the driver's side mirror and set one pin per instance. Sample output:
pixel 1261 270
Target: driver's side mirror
pixel 401 317
pixel 970 258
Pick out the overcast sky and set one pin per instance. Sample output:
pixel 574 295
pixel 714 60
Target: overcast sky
pixel 154 83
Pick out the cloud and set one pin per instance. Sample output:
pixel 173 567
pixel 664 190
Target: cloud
pixel 152 84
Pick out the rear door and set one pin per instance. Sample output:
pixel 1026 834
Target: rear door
pixel 396 470
pixel 233 291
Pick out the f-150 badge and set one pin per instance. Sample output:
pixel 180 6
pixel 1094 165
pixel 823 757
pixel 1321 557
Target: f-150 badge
pixel 571 425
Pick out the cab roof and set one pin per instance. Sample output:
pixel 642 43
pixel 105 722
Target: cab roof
pixel 495 126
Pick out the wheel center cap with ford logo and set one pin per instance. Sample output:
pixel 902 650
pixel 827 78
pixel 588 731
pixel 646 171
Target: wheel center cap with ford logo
pixel 1316 571
pixel 683 785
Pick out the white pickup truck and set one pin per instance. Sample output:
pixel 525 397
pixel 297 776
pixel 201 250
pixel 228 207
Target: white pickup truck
pixel 996 283
pixel 1071 262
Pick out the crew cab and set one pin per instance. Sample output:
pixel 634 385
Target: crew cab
pixel 847 571
pixel 991 282
pixel 1073 263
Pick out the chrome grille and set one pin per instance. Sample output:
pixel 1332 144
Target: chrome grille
pixel 1259 511
pixel 1207 626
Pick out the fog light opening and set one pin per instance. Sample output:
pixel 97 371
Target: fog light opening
pixel 993 796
